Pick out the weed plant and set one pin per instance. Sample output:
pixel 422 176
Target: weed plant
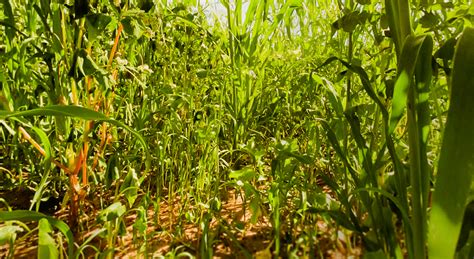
pixel 334 127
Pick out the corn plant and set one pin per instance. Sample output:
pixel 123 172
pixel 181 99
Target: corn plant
pixel 321 128
pixel 454 174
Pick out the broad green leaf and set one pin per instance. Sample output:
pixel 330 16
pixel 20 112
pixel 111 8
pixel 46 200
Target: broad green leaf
pixel 58 110
pixel 112 172
pixel 446 51
pixel 398 13
pixel 413 48
pixel 130 186
pixel 255 208
pixel 456 162
pixel 412 89
pixel 8 234
pixel 46 245
pixel 423 78
pixel 245 174
pixel 87 65
pixel 140 223
pixel 350 21
pixel 131 27
pixel 122 228
pixel 56 28
pixel 112 212
pixel 26 215
pixel 96 24
pixel 467 227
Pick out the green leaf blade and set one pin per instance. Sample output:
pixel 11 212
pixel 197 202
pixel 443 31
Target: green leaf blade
pixel 414 49
pixel 26 215
pixel 73 111
pixel 46 245
pixel 456 163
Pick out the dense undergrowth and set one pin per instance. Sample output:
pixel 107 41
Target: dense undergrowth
pixel 330 125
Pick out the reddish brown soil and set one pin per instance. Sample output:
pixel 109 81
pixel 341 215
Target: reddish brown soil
pixel 169 231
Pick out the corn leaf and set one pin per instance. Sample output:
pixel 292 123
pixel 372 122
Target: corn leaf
pixel 413 48
pixel 456 163
pixel 112 212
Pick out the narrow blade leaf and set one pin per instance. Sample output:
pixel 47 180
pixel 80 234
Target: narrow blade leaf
pixel 73 111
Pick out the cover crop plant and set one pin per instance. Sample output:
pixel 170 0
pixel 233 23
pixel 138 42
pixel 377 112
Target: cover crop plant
pixel 231 128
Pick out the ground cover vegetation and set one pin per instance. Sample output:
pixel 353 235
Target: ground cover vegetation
pixel 271 129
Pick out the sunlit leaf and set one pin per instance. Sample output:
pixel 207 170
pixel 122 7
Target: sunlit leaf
pixel 46 245
pixel 8 233
pixel 245 174
pixel 112 212
pixel 413 48
pixel 456 166
pixel 72 111
pixel 130 187
pixel 26 215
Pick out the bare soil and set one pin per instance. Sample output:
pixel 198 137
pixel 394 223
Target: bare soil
pixel 169 230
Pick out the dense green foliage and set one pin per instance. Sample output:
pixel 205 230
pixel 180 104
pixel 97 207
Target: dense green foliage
pixel 333 112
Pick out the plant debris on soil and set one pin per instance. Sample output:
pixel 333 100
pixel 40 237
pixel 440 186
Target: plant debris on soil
pixel 172 234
